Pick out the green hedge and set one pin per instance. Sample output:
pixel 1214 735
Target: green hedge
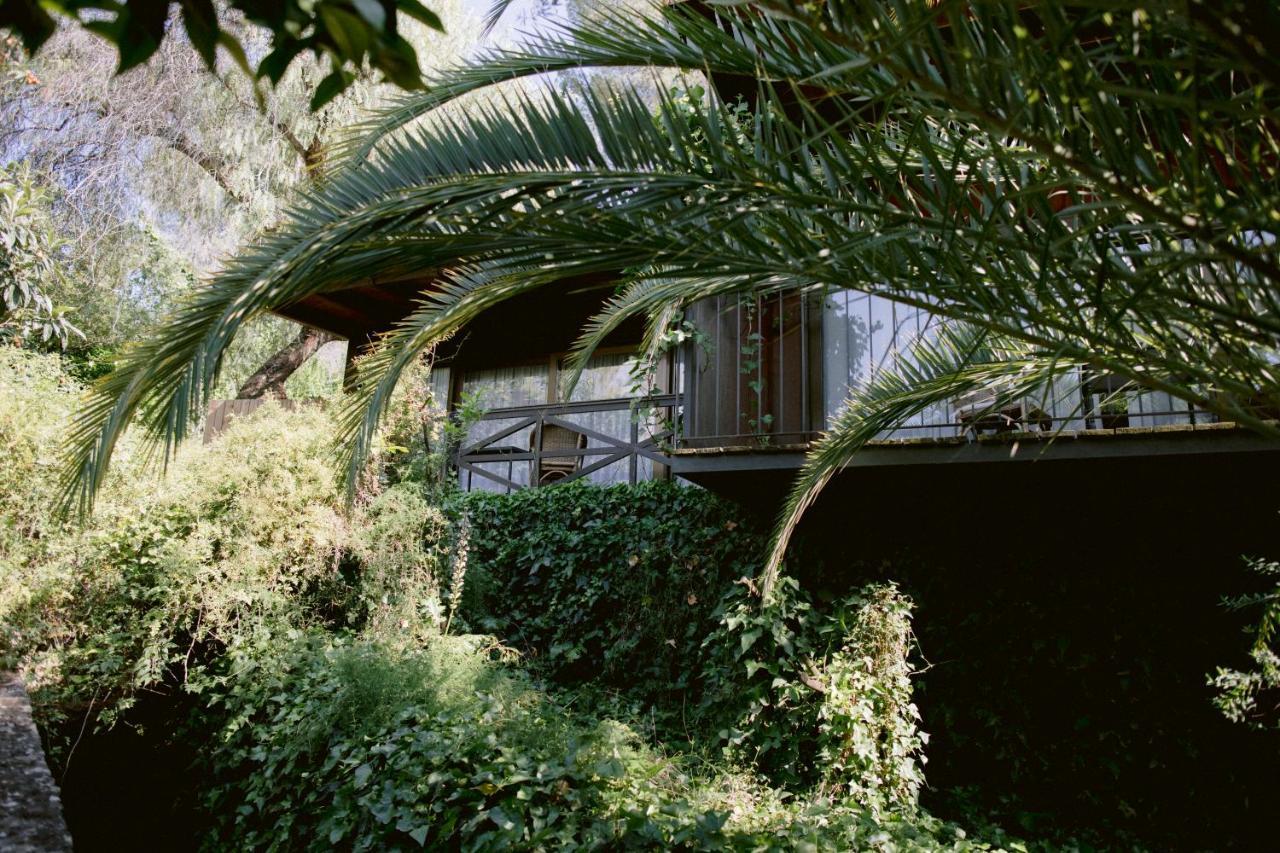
pixel 358 744
pixel 619 585
pixel 642 597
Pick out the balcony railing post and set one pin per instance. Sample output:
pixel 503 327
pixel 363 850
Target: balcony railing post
pixel 634 458
pixel 535 473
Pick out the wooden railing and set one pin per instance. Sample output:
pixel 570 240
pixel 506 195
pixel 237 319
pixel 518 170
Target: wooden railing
pixel 520 443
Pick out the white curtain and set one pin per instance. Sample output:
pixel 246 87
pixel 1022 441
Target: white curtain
pixel 607 377
pixel 502 388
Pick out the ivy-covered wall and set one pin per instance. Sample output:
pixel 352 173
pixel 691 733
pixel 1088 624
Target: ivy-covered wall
pixel 1065 653
pixel 613 585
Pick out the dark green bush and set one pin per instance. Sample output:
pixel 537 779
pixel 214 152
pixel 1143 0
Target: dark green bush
pixel 328 742
pixel 615 585
pixel 646 592
pixel 362 745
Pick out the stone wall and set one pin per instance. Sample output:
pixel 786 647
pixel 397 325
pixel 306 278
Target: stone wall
pixel 30 806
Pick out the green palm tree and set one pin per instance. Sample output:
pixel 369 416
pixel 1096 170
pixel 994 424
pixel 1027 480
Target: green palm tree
pixel 1061 184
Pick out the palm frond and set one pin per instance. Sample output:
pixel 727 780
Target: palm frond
pixel 678 38
pixel 952 360
pixel 497 9
pixel 1083 182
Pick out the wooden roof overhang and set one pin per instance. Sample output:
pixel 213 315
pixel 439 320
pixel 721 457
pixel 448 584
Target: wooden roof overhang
pixel 363 309
pixel 546 320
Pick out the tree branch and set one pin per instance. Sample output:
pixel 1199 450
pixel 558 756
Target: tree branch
pixel 269 379
pixel 215 167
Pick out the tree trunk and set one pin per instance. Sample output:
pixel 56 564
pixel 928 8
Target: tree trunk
pixel 269 380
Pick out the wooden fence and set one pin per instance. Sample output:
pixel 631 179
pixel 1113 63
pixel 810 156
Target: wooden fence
pixel 221 412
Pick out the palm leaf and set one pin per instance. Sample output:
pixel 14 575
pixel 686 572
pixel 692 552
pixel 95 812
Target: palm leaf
pixel 1080 185
pixel 936 369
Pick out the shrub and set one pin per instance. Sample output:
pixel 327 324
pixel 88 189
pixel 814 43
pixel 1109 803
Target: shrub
pixel 383 746
pixel 615 585
pixel 870 744
pixel 1249 696
pixel 398 542
pixel 647 591
pixel 313 648
pixel 363 745
pixel 817 697
pixel 35 401
pixel 243 539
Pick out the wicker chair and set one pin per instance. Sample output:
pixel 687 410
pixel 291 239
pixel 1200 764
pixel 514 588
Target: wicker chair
pixel 546 469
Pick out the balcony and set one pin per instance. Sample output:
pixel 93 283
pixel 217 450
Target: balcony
pixel 620 440
pixel 773 372
pixel 766 376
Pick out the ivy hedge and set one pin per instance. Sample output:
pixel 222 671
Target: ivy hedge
pixel 619 586
pixel 643 597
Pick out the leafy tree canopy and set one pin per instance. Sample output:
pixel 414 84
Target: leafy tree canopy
pixel 28 265
pixel 348 32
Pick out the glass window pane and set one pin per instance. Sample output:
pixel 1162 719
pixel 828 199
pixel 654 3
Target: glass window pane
pixel 504 387
pixel 604 378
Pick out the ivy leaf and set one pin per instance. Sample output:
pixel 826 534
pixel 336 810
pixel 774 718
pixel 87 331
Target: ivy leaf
pixel 363 772
pixel 498 816
pixel 420 835
pixel 749 638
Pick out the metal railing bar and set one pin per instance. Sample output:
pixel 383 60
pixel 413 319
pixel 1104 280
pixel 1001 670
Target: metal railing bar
pixel 804 361
pixel 500 480
pixel 652 454
pixel 596 466
pixel 963 427
pixel 501 434
pixel 609 450
pixel 634 456
pixel 530 455
pixel 570 453
pixel 737 364
pixel 715 351
pixel 617 403
pixel 588 432
pixel 782 362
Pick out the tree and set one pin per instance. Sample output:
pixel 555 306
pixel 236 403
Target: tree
pixel 28 265
pixel 1061 186
pixel 348 33
pixel 268 380
pixel 163 170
